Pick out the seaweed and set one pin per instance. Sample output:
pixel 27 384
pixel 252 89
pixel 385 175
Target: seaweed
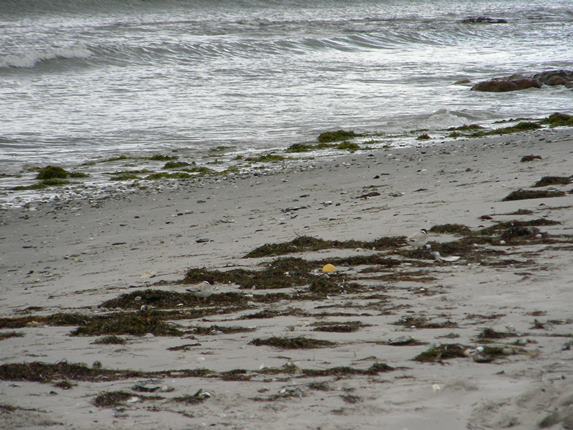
pixel 110 399
pixel 175 164
pixel 347 146
pixel 110 340
pixel 518 128
pixel 307 243
pixel 300 147
pixel 216 329
pixel 442 352
pixel 343 371
pixel 423 322
pixel 488 334
pixel 553 180
pixel 41 185
pixel 52 172
pixel 459 229
pixel 124 176
pixel 127 323
pixel 559 120
pixel 532 194
pixel 44 372
pixel 162 157
pixel 528 158
pixel 171 299
pixel 163 175
pixel 336 136
pixel 292 342
pixel 424 136
pixel 267 158
pixel 466 128
pixel 339 327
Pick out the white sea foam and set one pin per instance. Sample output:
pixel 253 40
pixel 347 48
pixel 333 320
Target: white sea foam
pixel 30 59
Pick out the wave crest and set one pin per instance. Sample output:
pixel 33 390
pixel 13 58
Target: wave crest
pixel 30 59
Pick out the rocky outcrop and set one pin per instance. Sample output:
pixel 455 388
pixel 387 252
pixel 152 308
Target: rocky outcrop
pixel 484 20
pixel 520 82
pixel 506 84
pixel 555 77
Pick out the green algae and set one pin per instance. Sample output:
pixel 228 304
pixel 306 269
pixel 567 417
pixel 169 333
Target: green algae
pixel 266 158
pixel 518 128
pixel 176 164
pixel 42 185
pixel 336 136
pixel 181 176
pixel 558 120
pixel 161 157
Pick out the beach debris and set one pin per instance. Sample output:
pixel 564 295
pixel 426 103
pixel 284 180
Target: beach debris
pixel 328 268
pixel 402 341
pixel 449 259
pixel 152 386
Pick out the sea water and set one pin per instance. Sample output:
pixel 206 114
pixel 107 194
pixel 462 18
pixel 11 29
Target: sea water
pixel 86 78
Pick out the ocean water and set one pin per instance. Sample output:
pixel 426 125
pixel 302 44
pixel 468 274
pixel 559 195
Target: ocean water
pixel 86 78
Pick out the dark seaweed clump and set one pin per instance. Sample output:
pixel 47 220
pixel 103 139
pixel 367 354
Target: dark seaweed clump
pixel 306 243
pixel 442 352
pixel 559 120
pixel 292 342
pixel 339 327
pixel 460 229
pixel 488 334
pixel 110 340
pixel 127 323
pixel 43 372
pixel 423 322
pixel 553 180
pixel 110 399
pixel 528 158
pixel 532 194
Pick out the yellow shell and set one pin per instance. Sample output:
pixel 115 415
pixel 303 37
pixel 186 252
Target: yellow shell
pixel 328 268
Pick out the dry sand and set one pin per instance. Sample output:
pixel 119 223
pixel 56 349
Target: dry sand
pixel 72 257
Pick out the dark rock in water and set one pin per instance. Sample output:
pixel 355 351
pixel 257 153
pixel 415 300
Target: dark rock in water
pixel 519 82
pixel 500 85
pixel 555 77
pixel 484 20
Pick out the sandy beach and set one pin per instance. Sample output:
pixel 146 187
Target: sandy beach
pixel 395 338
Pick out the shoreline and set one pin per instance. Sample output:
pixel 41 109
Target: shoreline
pixel 70 257
pixel 127 173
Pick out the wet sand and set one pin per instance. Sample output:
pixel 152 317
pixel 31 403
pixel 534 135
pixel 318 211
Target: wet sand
pixel 515 279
